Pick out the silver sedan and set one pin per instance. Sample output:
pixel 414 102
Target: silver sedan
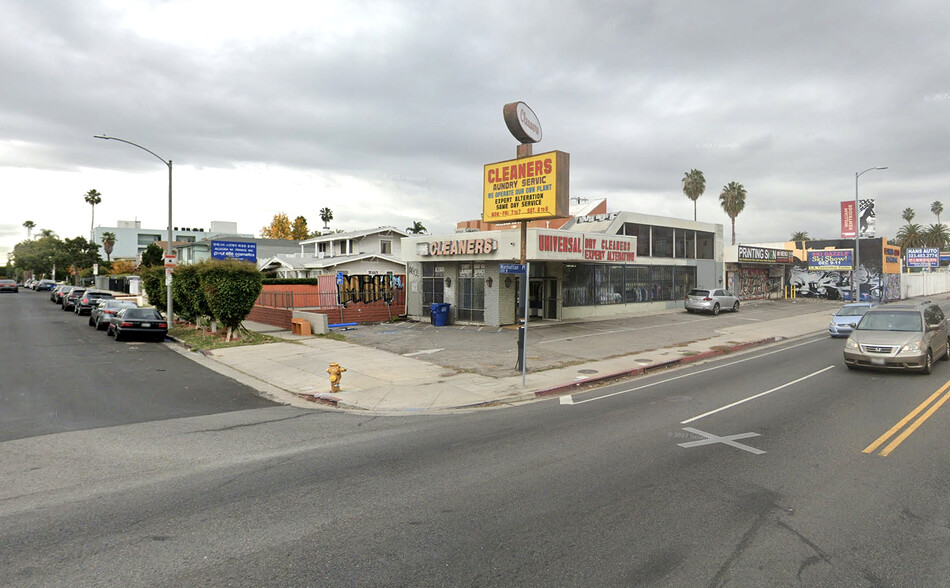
pixel 711 300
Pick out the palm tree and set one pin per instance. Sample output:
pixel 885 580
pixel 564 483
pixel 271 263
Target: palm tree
pixel 910 235
pixel 732 200
pixel 937 207
pixel 108 241
pixel 694 184
pixel 29 225
pixel 908 214
pixel 326 215
pixel 92 198
pixel 800 236
pixel 417 228
pixel 936 235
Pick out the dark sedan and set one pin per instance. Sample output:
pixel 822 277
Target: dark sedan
pixel 145 322
pixel 56 294
pixel 9 286
pixel 85 302
pixel 71 298
pixel 103 311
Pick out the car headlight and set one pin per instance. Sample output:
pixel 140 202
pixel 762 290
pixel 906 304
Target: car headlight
pixel 913 346
pixel 851 344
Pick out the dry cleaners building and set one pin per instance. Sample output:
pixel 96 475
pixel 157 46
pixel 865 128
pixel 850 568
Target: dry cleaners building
pixel 598 266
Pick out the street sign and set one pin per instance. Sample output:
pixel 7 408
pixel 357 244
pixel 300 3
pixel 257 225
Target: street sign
pixel 170 261
pixel 511 268
pixel 339 279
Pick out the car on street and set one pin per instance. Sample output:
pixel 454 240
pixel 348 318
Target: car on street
pixel 843 321
pixel 899 337
pixel 103 310
pixel 84 303
pixel 56 294
pixel 72 297
pixel 144 322
pixel 711 300
pixel 44 285
pixel 8 285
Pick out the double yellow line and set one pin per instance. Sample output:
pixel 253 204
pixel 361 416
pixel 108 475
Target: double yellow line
pixel 913 426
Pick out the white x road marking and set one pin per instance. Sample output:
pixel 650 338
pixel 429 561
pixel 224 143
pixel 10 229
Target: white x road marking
pixel 727 440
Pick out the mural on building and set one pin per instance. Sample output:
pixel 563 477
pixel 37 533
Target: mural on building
pixel 367 288
pixel 874 284
pixel 753 282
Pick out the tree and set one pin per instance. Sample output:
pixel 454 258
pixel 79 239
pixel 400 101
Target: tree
pixel 279 227
pixel 800 236
pixel 230 289
pixel 937 208
pixel 417 228
pixel 92 198
pixel 694 184
pixel 29 225
pixel 122 267
pixel 326 215
pixel 732 200
pixel 299 231
pixel 908 214
pixel 153 256
pixel 108 242
pixel 80 253
pixel 936 235
pixel 910 235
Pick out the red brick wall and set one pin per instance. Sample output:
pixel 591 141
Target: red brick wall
pixel 278 317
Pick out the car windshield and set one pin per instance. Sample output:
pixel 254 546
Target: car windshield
pixel 141 313
pixel 699 292
pixel 853 311
pixel 891 321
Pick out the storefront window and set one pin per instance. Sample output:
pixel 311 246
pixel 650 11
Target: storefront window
pixel 704 245
pixel 471 292
pixel 662 242
pixel 636 283
pixel 578 287
pixel 433 280
pixel 642 233
pixel 662 282
pixel 690 244
pixel 684 278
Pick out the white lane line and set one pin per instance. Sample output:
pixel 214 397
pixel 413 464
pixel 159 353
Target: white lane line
pixel 759 395
pixel 674 378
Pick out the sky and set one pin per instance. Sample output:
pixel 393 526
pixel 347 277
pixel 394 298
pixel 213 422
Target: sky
pixel 386 112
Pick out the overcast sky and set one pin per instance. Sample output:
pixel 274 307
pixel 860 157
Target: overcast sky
pixel 385 112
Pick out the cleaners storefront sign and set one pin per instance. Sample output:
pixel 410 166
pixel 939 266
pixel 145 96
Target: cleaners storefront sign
pixel 529 188
pixel 555 245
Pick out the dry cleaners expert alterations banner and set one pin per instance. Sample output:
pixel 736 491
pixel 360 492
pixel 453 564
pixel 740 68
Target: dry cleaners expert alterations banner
pixel 531 188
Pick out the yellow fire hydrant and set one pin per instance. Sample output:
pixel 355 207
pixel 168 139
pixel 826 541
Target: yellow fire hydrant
pixel 336 374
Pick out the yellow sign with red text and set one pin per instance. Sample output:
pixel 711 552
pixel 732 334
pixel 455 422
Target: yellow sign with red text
pixel 530 188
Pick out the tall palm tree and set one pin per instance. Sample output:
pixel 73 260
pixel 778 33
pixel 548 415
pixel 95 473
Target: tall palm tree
pixel 417 228
pixel 92 198
pixel 732 200
pixel 800 236
pixel 910 235
pixel 937 208
pixel 108 242
pixel 694 184
pixel 936 235
pixel 326 215
pixel 908 215
pixel 29 225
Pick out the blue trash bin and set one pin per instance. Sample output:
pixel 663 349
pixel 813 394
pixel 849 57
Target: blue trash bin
pixel 440 313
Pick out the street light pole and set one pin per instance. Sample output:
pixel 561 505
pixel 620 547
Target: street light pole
pixel 168 248
pixel 855 287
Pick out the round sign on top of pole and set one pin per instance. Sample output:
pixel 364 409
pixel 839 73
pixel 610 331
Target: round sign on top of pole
pixel 522 122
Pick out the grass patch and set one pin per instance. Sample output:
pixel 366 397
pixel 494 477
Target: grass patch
pixel 200 339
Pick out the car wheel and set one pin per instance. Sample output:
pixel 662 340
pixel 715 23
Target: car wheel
pixel 715 309
pixel 99 326
pixel 928 363
pixel 92 323
pixel 735 307
pixel 118 335
pixel 849 366
pixel 946 355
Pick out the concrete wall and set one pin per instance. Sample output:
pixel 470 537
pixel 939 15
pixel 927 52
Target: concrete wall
pixel 319 324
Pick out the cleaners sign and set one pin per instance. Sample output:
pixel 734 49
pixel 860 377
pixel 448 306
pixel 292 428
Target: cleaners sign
pixel 570 246
pixel 529 188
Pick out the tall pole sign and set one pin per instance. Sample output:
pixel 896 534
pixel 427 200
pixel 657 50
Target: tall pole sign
pixel 527 188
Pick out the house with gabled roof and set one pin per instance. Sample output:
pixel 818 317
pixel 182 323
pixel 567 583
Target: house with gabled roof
pixel 366 252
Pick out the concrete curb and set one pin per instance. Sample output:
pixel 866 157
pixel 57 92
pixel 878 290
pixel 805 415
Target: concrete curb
pixel 639 371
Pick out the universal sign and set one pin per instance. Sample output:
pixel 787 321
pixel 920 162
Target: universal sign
pixel 529 188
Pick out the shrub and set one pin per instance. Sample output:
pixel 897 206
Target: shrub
pixel 187 295
pixel 230 289
pixel 153 282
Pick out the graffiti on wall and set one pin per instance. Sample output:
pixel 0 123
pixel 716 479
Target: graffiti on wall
pixel 367 288
pixel 752 282
pixel 834 285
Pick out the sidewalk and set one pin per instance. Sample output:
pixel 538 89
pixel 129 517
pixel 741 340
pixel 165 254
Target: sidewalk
pixel 404 368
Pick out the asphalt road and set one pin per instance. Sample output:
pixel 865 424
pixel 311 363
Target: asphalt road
pixel 753 470
pixel 59 374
